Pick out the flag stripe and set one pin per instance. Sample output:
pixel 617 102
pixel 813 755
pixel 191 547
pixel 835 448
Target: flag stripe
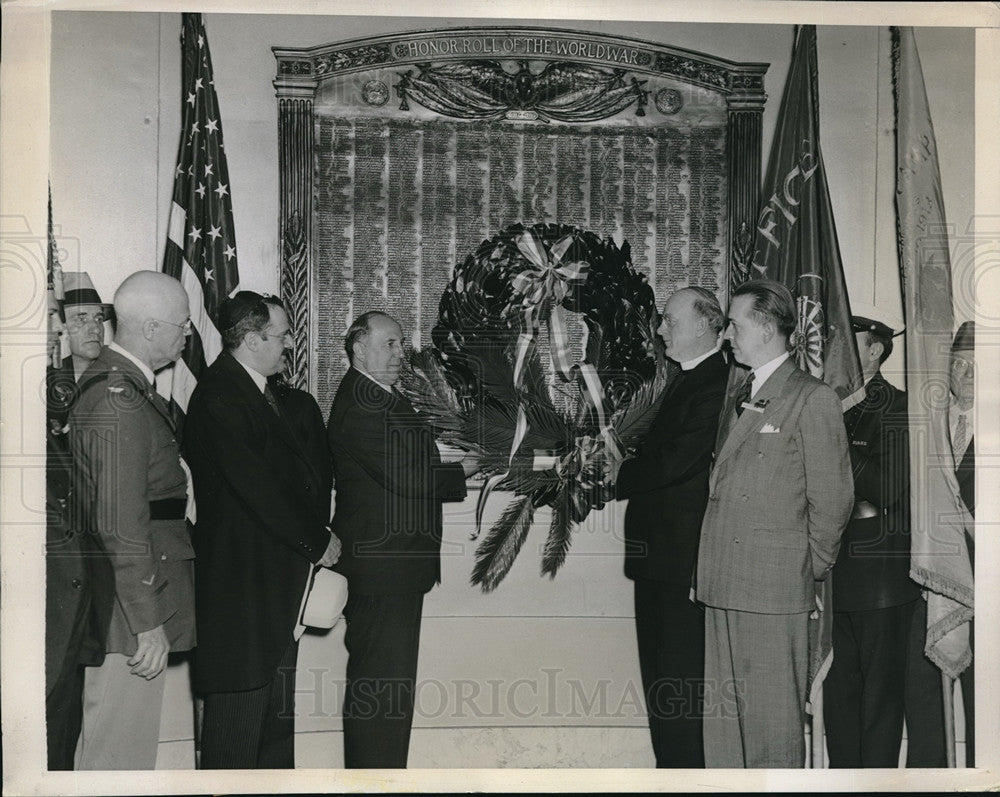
pixel 211 340
pixel 175 227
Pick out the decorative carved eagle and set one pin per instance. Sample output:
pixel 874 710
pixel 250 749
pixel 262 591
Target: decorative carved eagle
pixel 562 91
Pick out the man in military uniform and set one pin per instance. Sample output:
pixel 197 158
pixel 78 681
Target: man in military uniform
pixel 873 596
pixel 78 581
pixel 133 491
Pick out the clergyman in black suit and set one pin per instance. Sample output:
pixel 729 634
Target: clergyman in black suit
pixel 390 484
pixel 666 485
pixel 873 595
pixel 262 502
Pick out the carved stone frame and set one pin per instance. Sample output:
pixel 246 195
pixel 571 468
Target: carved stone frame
pixel 301 71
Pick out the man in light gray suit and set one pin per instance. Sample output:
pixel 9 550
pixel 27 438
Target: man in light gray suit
pixel 780 494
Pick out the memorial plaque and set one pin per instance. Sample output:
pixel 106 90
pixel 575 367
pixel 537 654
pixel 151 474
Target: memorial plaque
pixel 405 186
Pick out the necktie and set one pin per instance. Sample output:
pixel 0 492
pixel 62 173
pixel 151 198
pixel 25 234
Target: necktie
pixel 744 394
pixel 960 442
pixel 272 400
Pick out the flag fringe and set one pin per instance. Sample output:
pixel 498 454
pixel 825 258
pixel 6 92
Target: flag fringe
pixel 936 582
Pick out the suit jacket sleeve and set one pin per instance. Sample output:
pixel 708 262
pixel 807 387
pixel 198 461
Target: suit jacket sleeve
pixel 401 457
pixel 224 432
pixel 829 485
pixel 116 456
pixel 663 461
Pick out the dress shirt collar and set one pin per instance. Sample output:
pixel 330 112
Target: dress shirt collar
pixel 761 374
pixel 688 365
pixel 258 378
pixel 383 385
pixel 146 370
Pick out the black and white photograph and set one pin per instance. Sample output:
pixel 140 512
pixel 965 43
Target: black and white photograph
pixel 511 397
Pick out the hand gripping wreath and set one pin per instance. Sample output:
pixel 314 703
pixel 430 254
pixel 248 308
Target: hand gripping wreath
pixel 502 378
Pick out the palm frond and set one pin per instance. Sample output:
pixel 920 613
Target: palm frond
pixel 424 384
pixel 532 482
pixel 560 534
pixel 633 421
pixel 497 552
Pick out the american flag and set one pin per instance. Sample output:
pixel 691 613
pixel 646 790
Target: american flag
pixel 201 242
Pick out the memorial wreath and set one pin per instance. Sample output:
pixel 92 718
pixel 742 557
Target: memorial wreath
pixel 546 363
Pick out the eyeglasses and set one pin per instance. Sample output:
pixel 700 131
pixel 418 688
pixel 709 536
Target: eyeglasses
pixel 186 326
pixel 968 367
pixel 285 336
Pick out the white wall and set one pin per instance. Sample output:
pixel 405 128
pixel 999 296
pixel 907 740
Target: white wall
pixel 115 121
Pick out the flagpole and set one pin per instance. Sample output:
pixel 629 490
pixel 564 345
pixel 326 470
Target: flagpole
pixel 948 696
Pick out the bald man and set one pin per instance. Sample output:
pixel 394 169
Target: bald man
pixel 132 492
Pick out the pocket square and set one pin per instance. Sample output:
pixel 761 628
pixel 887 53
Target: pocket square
pixel 768 429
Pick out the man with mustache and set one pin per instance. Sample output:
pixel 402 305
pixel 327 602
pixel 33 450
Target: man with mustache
pixel 263 503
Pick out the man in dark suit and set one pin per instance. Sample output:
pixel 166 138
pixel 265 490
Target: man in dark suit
pixel 390 483
pixel 873 595
pixel 925 736
pixel 79 585
pixel 780 494
pixel 263 499
pixel 666 485
pixel 132 487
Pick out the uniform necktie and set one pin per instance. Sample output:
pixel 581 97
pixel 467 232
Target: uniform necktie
pixel 744 394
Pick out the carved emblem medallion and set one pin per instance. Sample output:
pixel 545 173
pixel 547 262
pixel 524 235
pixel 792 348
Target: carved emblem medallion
pixel 668 101
pixel 375 92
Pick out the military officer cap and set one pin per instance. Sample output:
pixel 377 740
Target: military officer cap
pixel 882 331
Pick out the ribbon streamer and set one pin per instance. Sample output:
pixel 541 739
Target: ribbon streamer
pixel 543 286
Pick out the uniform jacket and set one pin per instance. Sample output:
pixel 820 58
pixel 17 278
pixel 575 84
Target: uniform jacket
pixel 780 493
pixel 79 584
pixel 126 456
pixel 873 566
pixel 390 483
pixel 666 484
pixel 262 521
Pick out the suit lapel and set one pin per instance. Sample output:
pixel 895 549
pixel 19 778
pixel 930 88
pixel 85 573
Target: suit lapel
pixel 244 383
pixel 728 416
pixel 751 420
